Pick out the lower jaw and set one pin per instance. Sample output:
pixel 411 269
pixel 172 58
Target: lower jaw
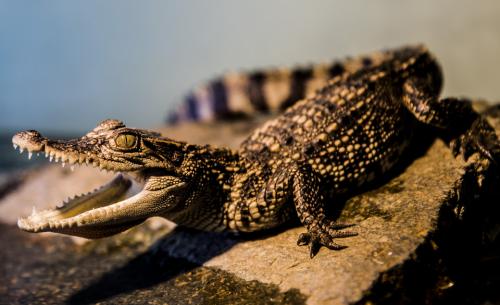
pixel 80 212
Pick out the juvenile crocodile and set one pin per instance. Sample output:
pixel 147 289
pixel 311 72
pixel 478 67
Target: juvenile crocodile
pixel 350 133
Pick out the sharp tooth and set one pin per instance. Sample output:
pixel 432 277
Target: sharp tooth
pixel 81 159
pixel 15 145
pixel 46 155
pixel 21 150
pixel 63 164
pixel 72 159
pixel 30 154
pixel 51 158
pixel 72 168
pixel 33 212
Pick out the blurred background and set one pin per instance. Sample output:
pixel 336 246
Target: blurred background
pixel 65 66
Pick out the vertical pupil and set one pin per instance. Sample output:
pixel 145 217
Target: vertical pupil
pixel 126 140
pixel 129 140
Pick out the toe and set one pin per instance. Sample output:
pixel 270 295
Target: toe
pixel 334 246
pixel 343 234
pixel 339 225
pixel 304 239
pixel 314 247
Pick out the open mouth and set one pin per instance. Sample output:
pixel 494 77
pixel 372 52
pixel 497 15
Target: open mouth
pixel 112 208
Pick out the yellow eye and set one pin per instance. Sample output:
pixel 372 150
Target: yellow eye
pixel 126 141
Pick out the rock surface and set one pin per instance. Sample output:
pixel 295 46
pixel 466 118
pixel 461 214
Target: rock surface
pixel 427 235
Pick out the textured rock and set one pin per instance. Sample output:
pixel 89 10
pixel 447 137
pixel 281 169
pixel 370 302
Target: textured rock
pixel 422 236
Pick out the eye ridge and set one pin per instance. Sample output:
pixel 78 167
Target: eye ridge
pixel 126 141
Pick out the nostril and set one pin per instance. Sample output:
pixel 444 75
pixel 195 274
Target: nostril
pixel 29 139
pixel 27 135
pixel 31 134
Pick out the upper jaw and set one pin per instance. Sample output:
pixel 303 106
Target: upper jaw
pixel 71 152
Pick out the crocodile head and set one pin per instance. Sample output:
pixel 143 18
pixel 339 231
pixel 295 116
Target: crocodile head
pixel 139 157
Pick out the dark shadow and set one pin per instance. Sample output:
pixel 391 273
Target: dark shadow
pixel 459 263
pixel 179 252
pixel 160 263
pixel 144 271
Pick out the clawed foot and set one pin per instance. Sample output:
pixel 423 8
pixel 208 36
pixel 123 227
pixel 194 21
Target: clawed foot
pixel 479 138
pixel 323 235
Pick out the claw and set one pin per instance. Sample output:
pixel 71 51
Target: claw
pixel 317 238
pixel 314 247
pixel 455 147
pixel 483 150
pixel 304 239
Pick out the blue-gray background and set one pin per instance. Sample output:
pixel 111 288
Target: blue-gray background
pixel 65 65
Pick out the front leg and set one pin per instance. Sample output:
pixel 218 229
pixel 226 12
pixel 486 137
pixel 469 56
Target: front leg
pixel 309 203
pixel 465 130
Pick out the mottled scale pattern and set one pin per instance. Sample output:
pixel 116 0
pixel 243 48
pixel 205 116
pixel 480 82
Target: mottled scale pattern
pixel 343 134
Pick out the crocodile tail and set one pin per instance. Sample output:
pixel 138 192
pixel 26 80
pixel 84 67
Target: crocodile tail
pixel 236 95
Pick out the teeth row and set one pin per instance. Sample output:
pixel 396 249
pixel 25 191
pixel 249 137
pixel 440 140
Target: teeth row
pixel 55 156
pixel 65 223
pixel 56 224
pixel 33 221
pixel 79 196
pixel 35 217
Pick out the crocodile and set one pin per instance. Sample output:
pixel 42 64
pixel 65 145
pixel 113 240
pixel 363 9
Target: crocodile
pixel 348 135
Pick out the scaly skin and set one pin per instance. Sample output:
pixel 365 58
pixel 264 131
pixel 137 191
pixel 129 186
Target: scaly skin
pixel 350 133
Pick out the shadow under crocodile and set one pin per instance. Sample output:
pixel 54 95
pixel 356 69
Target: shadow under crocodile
pixel 180 252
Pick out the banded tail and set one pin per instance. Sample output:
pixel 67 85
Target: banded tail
pixel 264 91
